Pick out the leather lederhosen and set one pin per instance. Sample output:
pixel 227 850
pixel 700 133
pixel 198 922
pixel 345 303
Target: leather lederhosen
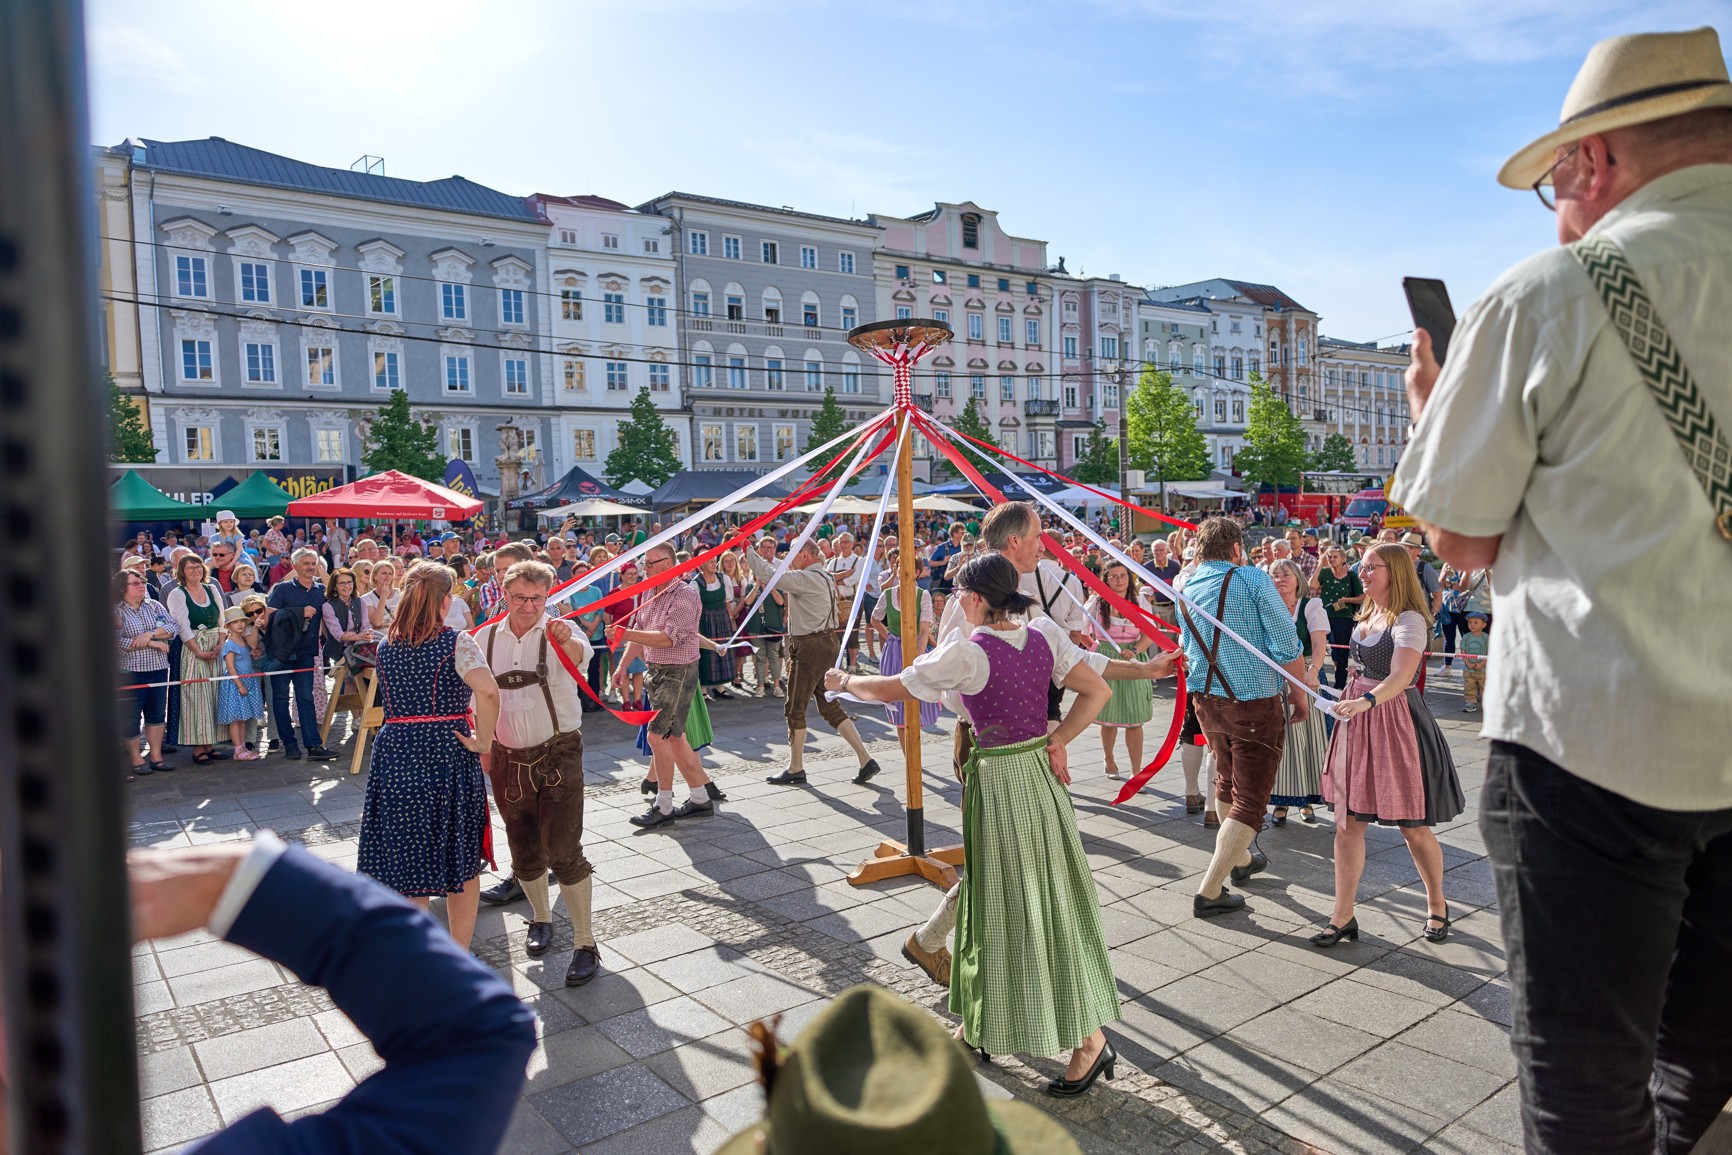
pixel 531 759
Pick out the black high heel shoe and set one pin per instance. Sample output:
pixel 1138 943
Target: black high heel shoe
pixel 1437 933
pixel 1333 934
pixel 1103 1066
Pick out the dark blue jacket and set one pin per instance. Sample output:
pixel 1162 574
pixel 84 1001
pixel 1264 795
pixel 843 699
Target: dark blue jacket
pixel 290 595
pixel 454 1039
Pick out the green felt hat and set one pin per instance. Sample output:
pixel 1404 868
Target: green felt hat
pixel 874 1075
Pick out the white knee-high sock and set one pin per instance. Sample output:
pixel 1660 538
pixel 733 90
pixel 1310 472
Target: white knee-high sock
pixel 797 752
pixel 540 902
pixel 578 899
pixel 943 921
pixel 1232 848
pixel 1191 758
pixel 852 733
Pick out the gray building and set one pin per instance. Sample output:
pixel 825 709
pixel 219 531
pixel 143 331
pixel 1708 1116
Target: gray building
pixel 766 299
pixel 277 304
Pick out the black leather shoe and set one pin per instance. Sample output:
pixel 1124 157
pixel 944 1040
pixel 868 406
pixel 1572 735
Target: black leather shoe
pixel 585 963
pixel 293 754
pixel 1333 934
pixel 1224 903
pixel 1437 933
pixel 787 778
pixel 539 938
pixel 652 818
pixel 502 892
pixel 647 786
pixel 715 792
pixel 692 808
pixel 1259 863
pixel 1102 1066
pixel 867 772
pixel 321 754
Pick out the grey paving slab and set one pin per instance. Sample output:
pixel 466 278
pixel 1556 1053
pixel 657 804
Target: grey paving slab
pixel 606 1104
pixel 285 1086
pixel 571 1055
pixel 690 1129
pixel 167 1071
pixel 1293 1036
pixel 1398 1073
pixel 654 1029
pixel 1229 1072
pixel 265 1046
pixel 1466 1038
pixel 178 1116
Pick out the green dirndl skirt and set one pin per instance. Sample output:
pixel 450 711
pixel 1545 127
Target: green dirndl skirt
pixel 699 732
pixel 1030 974
pixel 1133 702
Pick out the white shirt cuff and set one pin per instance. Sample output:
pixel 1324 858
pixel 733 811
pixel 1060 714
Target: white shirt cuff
pixel 267 848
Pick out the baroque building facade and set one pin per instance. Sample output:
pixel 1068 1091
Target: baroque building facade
pixel 1365 399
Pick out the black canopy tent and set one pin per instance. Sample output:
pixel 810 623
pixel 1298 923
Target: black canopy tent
pixel 576 486
pixel 695 486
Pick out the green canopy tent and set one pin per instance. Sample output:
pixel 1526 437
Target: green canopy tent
pixel 258 496
pixel 133 499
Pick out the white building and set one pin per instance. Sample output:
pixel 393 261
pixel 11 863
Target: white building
pixel 1365 398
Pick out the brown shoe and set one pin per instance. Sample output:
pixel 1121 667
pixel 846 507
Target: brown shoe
pixel 935 963
pixel 1193 804
pixel 1211 820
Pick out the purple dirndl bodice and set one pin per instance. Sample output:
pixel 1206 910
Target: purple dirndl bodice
pixel 1012 706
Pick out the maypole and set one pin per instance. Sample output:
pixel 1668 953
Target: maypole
pixel 902 344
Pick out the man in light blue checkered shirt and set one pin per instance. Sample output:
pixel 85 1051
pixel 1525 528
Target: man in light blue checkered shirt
pixel 1238 698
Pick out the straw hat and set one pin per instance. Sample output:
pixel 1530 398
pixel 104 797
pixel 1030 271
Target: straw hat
pixel 234 614
pixel 1630 80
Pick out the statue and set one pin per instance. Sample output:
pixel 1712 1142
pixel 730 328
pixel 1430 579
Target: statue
pixel 511 472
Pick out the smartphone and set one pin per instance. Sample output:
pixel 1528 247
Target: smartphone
pixel 1428 300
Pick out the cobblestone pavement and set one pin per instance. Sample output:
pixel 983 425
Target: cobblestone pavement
pixel 1235 1034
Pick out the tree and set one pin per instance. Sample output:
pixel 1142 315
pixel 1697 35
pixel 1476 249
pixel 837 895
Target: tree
pixel 1099 463
pixel 970 421
pixel 396 440
pixel 1274 451
pixel 129 437
pixel 1162 429
pixel 646 451
pixel 1337 453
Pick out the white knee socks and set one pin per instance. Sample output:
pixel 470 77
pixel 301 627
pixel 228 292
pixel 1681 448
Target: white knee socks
pixel 1191 758
pixel 943 921
pixel 797 752
pixel 578 898
pixel 540 902
pixel 852 733
pixel 1232 848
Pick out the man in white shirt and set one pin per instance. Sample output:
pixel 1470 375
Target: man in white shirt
pixel 846 568
pixel 536 765
pixel 1547 447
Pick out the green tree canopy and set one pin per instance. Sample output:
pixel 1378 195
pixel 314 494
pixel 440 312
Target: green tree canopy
pixel 971 422
pixel 1162 426
pixel 646 451
pixel 129 437
pixel 829 423
pixel 1274 452
pixel 1337 453
pixel 1099 463
pixel 397 440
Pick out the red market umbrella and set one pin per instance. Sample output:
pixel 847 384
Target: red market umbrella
pixel 389 494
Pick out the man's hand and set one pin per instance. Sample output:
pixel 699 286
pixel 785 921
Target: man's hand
pixel 174 891
pixel 1301 704
pixel 558 632
pixel 1060 761
pixel 1164 665
pixel 1422 373
pixel 308 612
pixel 1083 639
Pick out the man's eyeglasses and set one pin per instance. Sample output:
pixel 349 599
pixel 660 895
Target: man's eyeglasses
pixel 1549 199
pixel 655 561
pixel 526 599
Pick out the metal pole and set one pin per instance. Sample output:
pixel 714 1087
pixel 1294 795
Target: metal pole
pixel 65 952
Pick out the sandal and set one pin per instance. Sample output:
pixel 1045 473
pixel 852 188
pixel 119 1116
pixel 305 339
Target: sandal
pixel 1279 818
pixel 158 765
pixel 203 759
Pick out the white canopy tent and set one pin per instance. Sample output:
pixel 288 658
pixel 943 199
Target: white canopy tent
pixel 594 507
pixel 940 504
pixel 1077 495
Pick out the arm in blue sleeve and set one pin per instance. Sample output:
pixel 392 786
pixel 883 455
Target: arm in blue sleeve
pixel 454 1039
pixel 1279 633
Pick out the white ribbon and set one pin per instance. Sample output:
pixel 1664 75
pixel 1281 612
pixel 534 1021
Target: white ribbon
pixel 871 552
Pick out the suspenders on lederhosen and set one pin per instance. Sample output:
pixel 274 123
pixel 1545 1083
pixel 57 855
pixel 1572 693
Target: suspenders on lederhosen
pixel 526 761
pixel 1214 642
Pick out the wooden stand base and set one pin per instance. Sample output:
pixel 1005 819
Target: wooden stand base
pixel 892 860
pixel 355 691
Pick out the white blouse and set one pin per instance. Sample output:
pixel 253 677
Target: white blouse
pixel 1317 619
pixel 922 596
pixel 1410 631
pixel 959 666
pixel 468 656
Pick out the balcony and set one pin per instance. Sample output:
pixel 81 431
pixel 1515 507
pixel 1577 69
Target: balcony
pixel 923 402
pixel 1040 407
pixel 756 328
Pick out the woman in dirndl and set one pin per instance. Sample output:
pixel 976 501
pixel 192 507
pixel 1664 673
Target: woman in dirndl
pixel 424 821
pixel 1388 762
pixel 887 624
pixel 715 667
pixel 1133 703
pixel 196 604
pixel 1031 973
pixel 1299 780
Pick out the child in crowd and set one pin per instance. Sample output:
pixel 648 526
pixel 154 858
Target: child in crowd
pixel 1473 648
pixel 240 700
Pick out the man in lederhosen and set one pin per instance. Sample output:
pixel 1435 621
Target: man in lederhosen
pixel 536 766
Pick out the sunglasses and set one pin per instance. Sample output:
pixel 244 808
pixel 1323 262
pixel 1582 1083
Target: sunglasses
pixel 254 613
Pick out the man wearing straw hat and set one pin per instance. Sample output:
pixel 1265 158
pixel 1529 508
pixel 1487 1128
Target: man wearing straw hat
pixel 1549 444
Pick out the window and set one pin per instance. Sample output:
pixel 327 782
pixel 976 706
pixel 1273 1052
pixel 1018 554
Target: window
pixel 1033 289
pixel 809 315
pixel 453 302
pixel 583 444
pixel 1078 447
pixel 328 445
pixel 315 293
pixel 321 366
pixel 1197 361
pixel 571 304
pixel 568 236
pixel 850 378
pixel 191 277
pixel 703 371
pixel 977 387
pixel 941 383
pixel 1007 388
pixel 1031 334
pixel 768 252
pixel 773 378
pixel 974 280
pixel 698 244
pixel 516 377
pixel 971 230
pixel 261 363
pixel 1004 331
pixel 573 375
pixel 736 308
pixel 511 306
pixel 1070 395
pixel 1199 405
pixel 731 248
pixel 1043 442
pixel 976 327
pixel 1238 411
pixel 700 304
pixel 784 442
pixel 1221 365
pixel 652 245
pixel 1070 306
pixel 387 371
pixel 745 443
pixel 1256 365
pixel 195 361
pixel 1034 388
pixel 1304 352
pixel 610 241
pixel 737 373
pixel 613 308
pixel 715 449
pixel 808 257
pixel 1220 410
pixel 1109 396
pixel 460 441
pixel 1234 326
pixel 844 262
pixel 456 376
pixel 199 443
pixel 255 282
pixel 941 315
pixel 772 313
pixel 1070 348
pixel 1380 455
pixel 656 312
pixel 1238 368
pixel 814 376
pixel 267 444
pixel 902 272
pixel 940 277
pixel 903 312
pixel 1110 348
pixel 850 316
pixel 617 379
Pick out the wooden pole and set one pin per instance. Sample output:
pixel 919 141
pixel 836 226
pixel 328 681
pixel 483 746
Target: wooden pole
pixel 908 593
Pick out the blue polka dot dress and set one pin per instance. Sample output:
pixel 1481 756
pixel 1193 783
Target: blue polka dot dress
pixel 426 808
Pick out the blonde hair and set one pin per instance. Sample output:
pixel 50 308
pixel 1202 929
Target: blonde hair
pixel 421 613
pixel 1405 592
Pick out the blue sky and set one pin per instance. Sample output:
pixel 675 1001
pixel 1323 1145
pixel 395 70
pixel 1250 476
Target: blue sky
pixel 1329 148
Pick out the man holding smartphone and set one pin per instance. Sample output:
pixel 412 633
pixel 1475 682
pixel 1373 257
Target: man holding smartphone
pixel 1548 444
